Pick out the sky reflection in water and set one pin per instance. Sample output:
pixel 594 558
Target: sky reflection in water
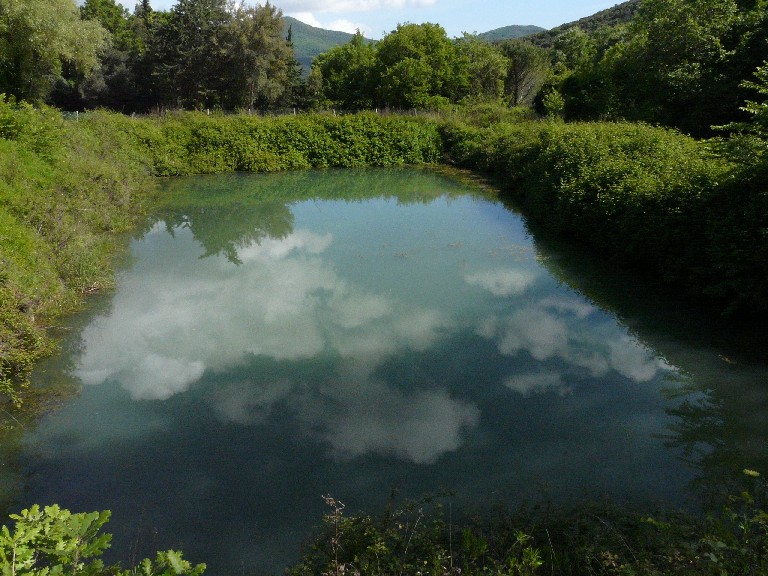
pixel 372 345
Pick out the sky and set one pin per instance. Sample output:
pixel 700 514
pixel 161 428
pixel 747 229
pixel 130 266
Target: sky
pixel 376 18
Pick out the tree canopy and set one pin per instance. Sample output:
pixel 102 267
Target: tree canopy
pixel 38 38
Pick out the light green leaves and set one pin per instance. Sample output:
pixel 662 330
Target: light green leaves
pixel 37 38
pixel 53 541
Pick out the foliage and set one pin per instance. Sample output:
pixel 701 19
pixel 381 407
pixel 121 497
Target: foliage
pixel 193 143
pixel 617 15
pixel 416 66
pixel 346 74
pixel 37 39
pixel 632 192
pixel 113 18
pixel 259 62
pixel 758 110
pixel 677 63
pixel 413 539
pixel 484 68
pixel 527 70
pixel 52 540
pixel 65 189
pixel 592 539
pixel 201 54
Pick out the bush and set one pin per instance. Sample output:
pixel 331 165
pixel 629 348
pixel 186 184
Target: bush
pixel 593 539
pixel 53 541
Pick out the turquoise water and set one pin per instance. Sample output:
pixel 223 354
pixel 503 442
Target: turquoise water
pixel 276 338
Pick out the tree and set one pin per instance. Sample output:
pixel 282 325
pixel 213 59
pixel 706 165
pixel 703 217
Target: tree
pixel 188 55
pixel 758 110
pixel 113 18
pixel 484 67
pixel 528 67
pixel 417 66
pixel 575 48
pixel 347 74
pixel 113 82
pixel 685 47
pixel 260 62
pixel 38 38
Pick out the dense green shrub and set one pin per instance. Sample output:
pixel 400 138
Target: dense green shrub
pixel 52 541
pixel 195 143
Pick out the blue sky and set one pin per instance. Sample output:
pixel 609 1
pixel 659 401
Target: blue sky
pixel 378 17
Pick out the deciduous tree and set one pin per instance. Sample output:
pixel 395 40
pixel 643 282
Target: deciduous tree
pixel 347 74
pixel 38 38
pixel 527 69
pixel 417 66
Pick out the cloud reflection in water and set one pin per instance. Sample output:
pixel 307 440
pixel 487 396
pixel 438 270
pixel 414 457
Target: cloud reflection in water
pixel 286 302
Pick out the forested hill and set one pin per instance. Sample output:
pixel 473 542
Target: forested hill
pixel 619 14
pixel 510 32
pixel 309 42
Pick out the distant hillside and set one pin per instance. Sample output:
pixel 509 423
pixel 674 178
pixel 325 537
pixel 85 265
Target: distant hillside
pixel 309 41
pixel 619 14
pixel 509 32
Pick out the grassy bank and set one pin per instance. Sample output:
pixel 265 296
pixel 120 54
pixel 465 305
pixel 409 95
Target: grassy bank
pixel 598 539
pixel 65 193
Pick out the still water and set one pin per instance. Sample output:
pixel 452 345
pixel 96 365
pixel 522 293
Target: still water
pixel 275 338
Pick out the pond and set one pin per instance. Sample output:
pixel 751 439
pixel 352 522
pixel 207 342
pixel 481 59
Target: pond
pixel 277 338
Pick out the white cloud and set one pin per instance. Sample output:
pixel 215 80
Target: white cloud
pixel 633 360
pixel 341 24
pixel 306 17
pixel 310 6
pixel 282 303
pixel 277 249
pixel 540 334
pixel 187 324
pixel 537 383
pixel 159 377
pixel 354 309
pixel 350 27
pixel 285 303
pixel 504 282
pixel 559 330
pixel 565 305
pixel 418 427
